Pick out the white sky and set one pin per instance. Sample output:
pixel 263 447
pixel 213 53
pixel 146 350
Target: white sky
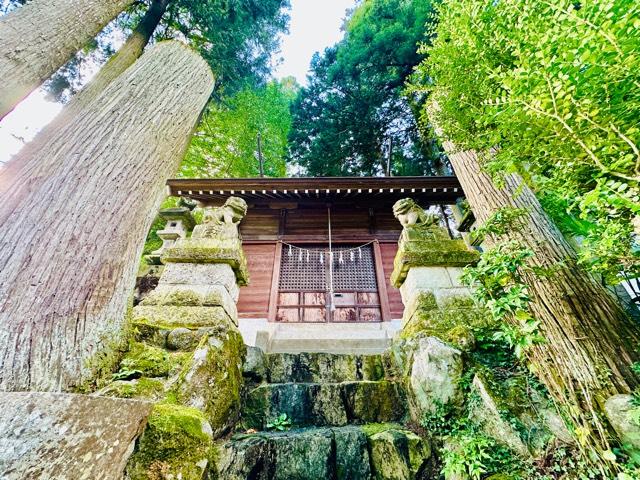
pixel 315 25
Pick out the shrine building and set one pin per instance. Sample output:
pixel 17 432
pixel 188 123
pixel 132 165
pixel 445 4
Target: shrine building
pixel 320 255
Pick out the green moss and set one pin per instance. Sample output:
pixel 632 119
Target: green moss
pixel 454 322
pixel 151 361
pixel 213 374
pixel 178 298
pixel 210 250
pixel 177 361
pixel 170 317
pixel 145 388
pixel 371 429
pixel 430 253
pixel 175 444
pixel 104 362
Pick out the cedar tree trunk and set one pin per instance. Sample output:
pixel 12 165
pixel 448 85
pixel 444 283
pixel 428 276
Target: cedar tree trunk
pixel 73 221
pixel 41 36
pixel 125 56
pixel 590 340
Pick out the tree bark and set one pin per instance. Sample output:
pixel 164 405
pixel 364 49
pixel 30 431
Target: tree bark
pixel 124 57
pixel 591 342
pixel 41 36
pixel 74 211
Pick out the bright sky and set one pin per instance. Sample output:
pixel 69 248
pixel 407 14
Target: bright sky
pixel 315 25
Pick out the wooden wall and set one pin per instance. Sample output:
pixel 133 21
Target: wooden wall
pixel 264 225
pixel 254 298
pixel 388 253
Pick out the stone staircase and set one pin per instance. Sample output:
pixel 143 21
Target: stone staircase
pixel 346 413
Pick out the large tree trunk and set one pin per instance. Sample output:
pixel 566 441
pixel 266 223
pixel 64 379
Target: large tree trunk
pixel 73 219
pixel 590 341
pixel 125 56
pixel 41 36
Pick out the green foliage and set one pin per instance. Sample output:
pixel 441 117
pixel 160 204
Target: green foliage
pixel 500 222
pixel 499 285
pixel 281 423
pixel 551 88
pixel 225 142
pixel 237 38
pixel 354 100
pixel 472 454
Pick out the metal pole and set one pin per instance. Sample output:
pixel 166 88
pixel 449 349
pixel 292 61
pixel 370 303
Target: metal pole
pixel 332 307
pixel 260 161
pixel 388 174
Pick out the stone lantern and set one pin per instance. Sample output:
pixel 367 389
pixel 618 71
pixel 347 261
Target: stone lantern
pixel 179 222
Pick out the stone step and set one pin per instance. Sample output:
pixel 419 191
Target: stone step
pixel 323 368
pixel 387 452
pixel 325 404
pixel 368 346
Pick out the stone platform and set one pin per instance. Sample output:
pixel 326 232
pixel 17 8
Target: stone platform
pixel 338 338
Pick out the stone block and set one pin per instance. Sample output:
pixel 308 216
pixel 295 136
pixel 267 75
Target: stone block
pixel 211 379
pixel 323 367
pixel 430 253
pixel 209 251
pixel 255 365
pixel 435 377
pixel 303 456
pixel 325 404
pixel 455 274
pixel 170 317
pixel 192 296
pixel 618 409
pixel 201 274
pixel 398 454
pixel 175 444
pixel 420 279
pixel 453 297
pixel 487 413
pixel 352 454
pixel 58 436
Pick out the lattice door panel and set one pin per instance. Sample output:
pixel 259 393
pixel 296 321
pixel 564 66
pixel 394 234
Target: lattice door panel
pixel 305 277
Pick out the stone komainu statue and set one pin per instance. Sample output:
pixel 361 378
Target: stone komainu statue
pixel 416 223
pixel 222 222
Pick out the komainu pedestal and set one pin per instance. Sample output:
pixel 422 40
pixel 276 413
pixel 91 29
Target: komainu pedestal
pixel 427 269
pixel 186 338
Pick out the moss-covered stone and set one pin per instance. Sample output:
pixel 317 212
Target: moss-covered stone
pixel 622 413
pixel 398 454
pixel 454 323
pixel 175 444
pixel 430 253
pixel 211 379
pixel 322 404
pixel 143 388
pixel 381 401
pixel 209 250
pixel 323 367
pixel 170 317
pixel 192 296
pixel 149 360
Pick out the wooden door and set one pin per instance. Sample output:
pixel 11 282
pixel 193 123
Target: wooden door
pixel 308 275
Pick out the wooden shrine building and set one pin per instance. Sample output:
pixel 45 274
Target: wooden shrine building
pixel 294 226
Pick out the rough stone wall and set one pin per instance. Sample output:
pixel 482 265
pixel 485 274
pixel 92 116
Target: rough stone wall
pixel 187 354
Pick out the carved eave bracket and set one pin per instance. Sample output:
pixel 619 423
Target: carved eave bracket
pixel 424 243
